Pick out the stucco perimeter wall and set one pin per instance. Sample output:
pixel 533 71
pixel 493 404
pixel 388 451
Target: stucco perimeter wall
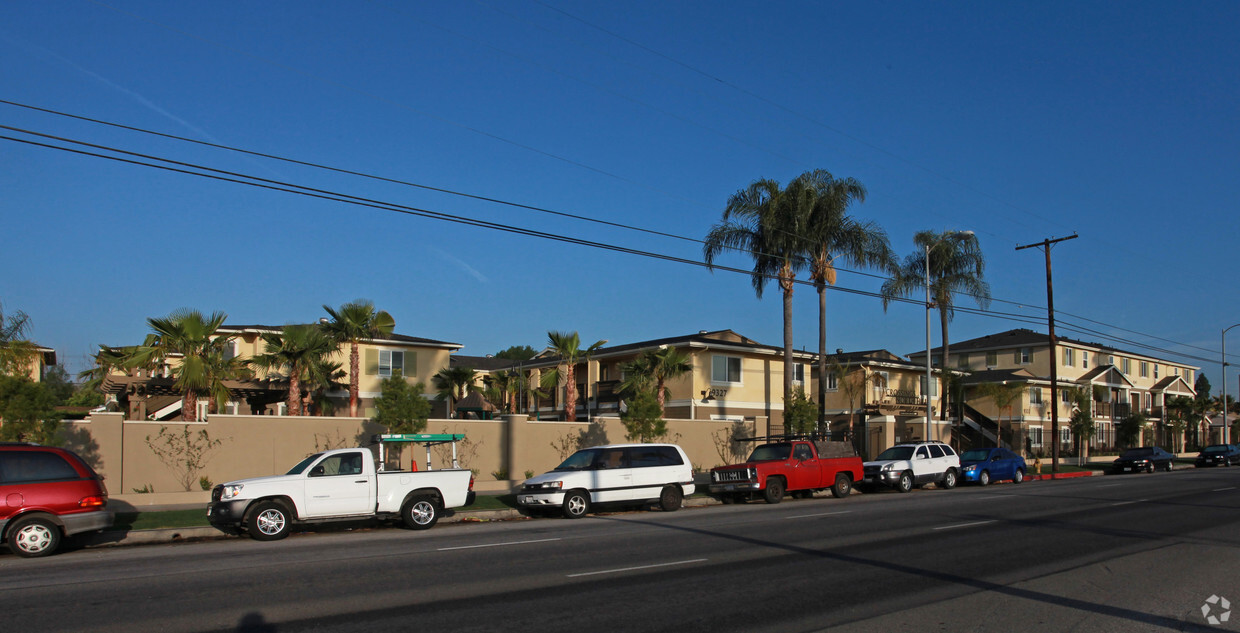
pixel 254 446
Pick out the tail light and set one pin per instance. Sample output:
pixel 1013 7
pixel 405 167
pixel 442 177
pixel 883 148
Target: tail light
pixel 93 501
pixel 471 482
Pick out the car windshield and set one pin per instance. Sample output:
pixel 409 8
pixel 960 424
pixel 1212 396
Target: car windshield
pixel 1221 448
pixel 581 460
pixel 896 452
pixel 770 452
pixel 303 464
pixel 1136 453
pixel 975 455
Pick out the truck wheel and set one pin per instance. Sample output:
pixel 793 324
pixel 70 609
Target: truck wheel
pixel 576 504
pixel 268 521
pixel 670 498
pixel 906 482
pixel 774 491
pixel 949 479
pixel 983 478
pixel 420 513
pixel 33 537
pixel 842 487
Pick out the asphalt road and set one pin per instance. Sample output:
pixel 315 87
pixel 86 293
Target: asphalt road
pixel 1130 553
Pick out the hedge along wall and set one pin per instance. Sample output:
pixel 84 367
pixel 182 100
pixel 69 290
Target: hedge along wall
pixel 254 446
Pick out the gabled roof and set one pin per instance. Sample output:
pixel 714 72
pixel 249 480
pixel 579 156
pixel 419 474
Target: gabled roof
pixel 1024 337
pixel 719 339
pixel 391 338
pixel 1105 375
pixel 482 363
pixel 999 376
pixel 1169 385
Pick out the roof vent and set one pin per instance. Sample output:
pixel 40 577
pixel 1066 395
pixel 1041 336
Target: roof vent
pixel 839 350
pixel 701 331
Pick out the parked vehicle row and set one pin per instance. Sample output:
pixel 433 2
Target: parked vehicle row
pixel 51 493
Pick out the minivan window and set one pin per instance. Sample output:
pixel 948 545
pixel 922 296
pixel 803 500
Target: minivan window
pixel 652 456
pixel 29 466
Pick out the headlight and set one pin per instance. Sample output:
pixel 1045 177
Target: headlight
pixel 231 491
pixel 552 485
pixel 889 467
pixel 969 469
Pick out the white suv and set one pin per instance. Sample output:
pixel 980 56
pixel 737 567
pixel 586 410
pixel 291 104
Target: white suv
pixel 620 473
pixel 913 464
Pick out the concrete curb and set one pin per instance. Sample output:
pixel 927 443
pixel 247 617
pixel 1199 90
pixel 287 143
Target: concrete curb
pixel 1048 477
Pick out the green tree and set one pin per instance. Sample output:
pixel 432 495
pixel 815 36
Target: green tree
pixel 643 419
pixel 296 352
pixel 16 353
pixel 768 223
pixel 401 407
pixel 1129 429
pixel 567 345
pixel 1082 420
pixel 204 361
pixel 1004 396
pixel 835 236
pixel 652 369
pixel 452 383
pixel 517 352
pixel 957 266
pixel 352 323
pixel 28 410
pixel 800 413
pixel 56 380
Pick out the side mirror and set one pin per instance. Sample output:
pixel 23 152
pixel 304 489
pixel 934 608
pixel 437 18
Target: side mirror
pixel 317 471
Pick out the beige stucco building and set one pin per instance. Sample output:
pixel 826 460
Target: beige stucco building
pixel 1119 382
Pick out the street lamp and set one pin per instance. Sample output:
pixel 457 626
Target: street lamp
pixel 950 235
pixel 1224 407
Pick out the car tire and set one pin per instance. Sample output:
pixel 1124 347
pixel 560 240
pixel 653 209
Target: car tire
pixel 842 487
pixel 983 478
pixel 949 479
pixel 576 504
pixel 670 498
pixel 1150 467
pixel 1170 466
pixel 420 512
pixel 905 483
pixel 268 521
pixel 1018 476
pixel 32 537
pixel 774 490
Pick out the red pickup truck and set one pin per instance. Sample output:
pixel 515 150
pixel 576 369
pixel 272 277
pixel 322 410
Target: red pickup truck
pixel 800 467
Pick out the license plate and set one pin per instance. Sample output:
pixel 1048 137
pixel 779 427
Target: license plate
pixel 1127 469
pixel 730 487
pixel 527 500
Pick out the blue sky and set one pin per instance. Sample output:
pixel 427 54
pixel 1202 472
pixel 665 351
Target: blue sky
pixel 1018 121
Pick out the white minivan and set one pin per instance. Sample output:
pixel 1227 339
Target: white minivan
pixel 619 474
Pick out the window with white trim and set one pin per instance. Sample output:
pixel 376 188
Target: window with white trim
pixel 1068 360
pixel 833 381
pixel 1035 395
pixel 1024 355
pixel 391 362
pixel 1084 359
pixel 1145 369
pixel 798 374
pixel 992 359
pixel 1125 365
pixel 725 369
pixel 1035 436
pixel 1155 370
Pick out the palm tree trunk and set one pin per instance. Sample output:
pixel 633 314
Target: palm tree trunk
pixel 822 353
pixel 660 394
pixel 785 282
pixel 570 394
pixel 189 406
pixel 354 378
pixel 943 367
pixel 294 393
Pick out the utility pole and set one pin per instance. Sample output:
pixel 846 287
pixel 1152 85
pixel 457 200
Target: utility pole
pixel 1045 246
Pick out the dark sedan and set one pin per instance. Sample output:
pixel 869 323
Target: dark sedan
pixel 1146 459
pixel 1219 455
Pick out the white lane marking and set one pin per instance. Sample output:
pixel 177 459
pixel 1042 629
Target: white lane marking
pixel 544 540
pixel 960 525
pixel 820 514
pixel 1224 489
pixel 993 497
pixel 1124 503
pixel 617 571
pixel 1109 485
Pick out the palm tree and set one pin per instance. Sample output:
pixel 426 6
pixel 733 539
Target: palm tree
pixel 653 368
pixel 453 383
pixel 295 350
pixel 15 351
pixel 1004 395
pixel 320 377
pixel 352 323
pixel 834 236
pixel 956 266
pixel 769 224
pixel 204 365
pixel 567 346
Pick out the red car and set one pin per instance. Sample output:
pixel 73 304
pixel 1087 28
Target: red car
pixel 50 493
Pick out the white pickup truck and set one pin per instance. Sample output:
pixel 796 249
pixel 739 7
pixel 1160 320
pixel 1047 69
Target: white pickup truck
pixel 333 485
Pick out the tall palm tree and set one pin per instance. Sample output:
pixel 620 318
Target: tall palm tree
pixel 567 346
pixel 204 365
pixel 768 223
pixel 294 351
pixel 653 368
pixel 319 378
pixel 956 266
pixel 833 235
pixel 352 323
pixel 453 383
